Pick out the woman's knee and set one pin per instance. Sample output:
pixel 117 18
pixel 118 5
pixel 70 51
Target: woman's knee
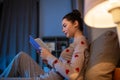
pixel 22 54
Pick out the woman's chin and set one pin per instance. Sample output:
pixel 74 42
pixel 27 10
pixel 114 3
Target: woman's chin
pixel 68 36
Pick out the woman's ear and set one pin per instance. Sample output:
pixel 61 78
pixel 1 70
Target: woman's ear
pixel 76 24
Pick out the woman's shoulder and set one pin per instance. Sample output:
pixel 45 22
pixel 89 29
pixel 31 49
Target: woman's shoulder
pixel 81 41
pixel 80 44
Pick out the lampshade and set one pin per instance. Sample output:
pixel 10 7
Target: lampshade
pixel 102 14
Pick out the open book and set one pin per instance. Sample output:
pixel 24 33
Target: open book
pixel 38 43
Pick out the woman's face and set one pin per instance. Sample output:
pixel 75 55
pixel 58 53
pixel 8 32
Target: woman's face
pixel 68 28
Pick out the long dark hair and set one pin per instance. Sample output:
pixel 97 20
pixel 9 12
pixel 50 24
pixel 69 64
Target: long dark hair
pixel 73 16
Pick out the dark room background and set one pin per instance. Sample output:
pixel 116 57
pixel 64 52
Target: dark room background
pixel 19 19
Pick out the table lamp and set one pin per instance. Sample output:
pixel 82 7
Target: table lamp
pixel 102 14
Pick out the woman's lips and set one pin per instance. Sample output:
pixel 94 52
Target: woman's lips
pixel 65 33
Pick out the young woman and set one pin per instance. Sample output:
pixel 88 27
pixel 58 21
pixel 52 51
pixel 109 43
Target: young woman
pixel 71 63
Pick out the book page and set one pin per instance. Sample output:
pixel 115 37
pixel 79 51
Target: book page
pixel 42 44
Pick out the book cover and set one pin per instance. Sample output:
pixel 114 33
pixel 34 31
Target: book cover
pixel 38 43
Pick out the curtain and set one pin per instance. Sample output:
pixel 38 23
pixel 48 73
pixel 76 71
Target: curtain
pixel 19 20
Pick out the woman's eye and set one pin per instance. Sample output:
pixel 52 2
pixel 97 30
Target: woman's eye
pixel 64 25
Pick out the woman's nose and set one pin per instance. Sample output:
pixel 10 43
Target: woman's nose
pixel 63 30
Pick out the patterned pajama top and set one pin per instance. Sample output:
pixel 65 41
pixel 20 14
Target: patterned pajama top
pixel 71 61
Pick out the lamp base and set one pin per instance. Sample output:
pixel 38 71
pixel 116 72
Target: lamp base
pixel 115 14
pixel 116 18
pixel 118 32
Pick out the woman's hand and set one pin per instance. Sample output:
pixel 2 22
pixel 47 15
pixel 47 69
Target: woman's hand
pixel 44 53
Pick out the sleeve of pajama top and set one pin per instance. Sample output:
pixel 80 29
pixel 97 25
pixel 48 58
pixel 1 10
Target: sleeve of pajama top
pixel 71 60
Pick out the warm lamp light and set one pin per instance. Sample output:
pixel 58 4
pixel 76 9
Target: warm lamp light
pixel 103 14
